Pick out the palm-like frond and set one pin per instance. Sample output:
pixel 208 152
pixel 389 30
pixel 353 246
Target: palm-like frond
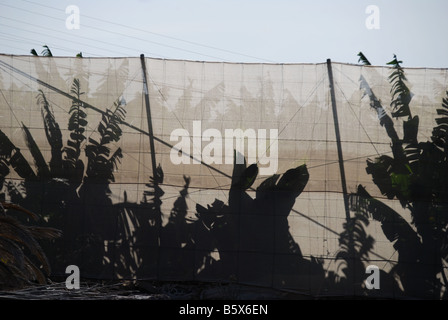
pixel 363 59
pixel 109 127
pixel 12 206
pixel 46 52
pixel 354 248
pixel 440 132
pixel 354 241
pixel 44 232
pixel 76 124
pixel 12 265
pixel 100 163
pixel 42 168
pixel 401 95
pixel 11 229
pixel 16 242
pixel 18 245
pixel 53 133
pixel 33 52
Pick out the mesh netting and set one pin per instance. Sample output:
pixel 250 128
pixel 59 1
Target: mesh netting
pixel 77 149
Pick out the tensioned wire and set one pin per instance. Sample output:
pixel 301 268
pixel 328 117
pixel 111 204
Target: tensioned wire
pixel 114 23
pixel 26 59
pixel 357 118
pixel 16 38
pixel 100 29
pixel 7 103
pixel 19 39
pixel 119 33
pixel 65 38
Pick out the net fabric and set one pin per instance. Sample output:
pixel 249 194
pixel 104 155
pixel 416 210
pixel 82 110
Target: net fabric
pixel 135 223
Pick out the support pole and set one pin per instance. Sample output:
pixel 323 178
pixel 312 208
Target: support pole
pixel 148 116
pixel 338 139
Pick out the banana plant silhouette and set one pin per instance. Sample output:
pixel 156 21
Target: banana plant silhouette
pixel 59 188
pixel 249 232
pixel 416 175
pixel 101 163
pixel 23 261
pixel 54 176
pixel 60 178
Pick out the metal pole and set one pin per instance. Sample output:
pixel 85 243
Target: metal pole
pixel 148 116
pixel 338 139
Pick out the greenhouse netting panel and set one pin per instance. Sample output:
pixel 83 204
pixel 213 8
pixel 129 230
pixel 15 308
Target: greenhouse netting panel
pixel 302 177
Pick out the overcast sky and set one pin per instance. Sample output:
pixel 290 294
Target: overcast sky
pixel 280 31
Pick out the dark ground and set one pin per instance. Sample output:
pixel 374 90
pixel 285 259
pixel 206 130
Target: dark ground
pixel 147 290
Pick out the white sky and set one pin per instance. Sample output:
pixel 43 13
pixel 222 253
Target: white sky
pixel 280 31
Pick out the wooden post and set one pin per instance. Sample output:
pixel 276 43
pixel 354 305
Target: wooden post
pixel 338 139
pixel 148 116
